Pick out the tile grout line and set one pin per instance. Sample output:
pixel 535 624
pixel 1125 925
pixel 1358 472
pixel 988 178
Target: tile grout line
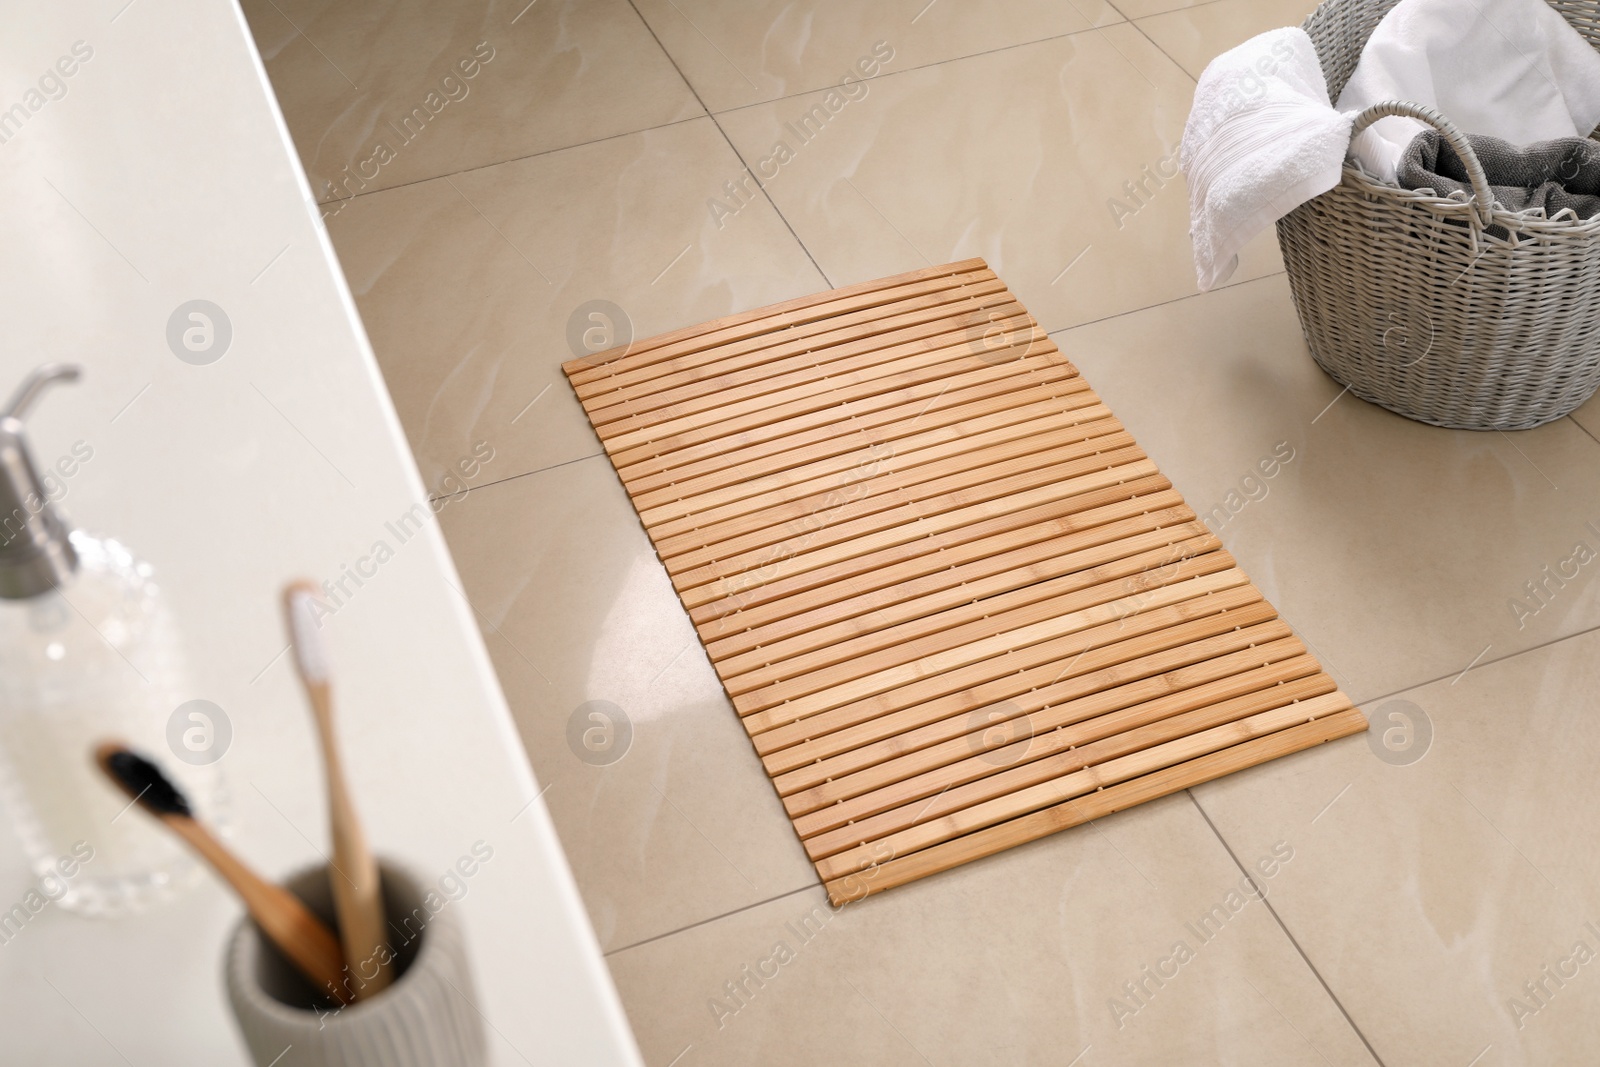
pixel 510 159
pixel 731 147
pixel 513 477
pixel 1240 284
pixel 707 112
pixel 1093 28
pixel 1582 427
pixel 1140 30
pixel 1156 45
pixel 1168 11
pixel 1284 927
pixel 1134 22
pixel 608 953
pixel 1061 330
pixel 925 66
pixel 1065 329
pixel 1479 663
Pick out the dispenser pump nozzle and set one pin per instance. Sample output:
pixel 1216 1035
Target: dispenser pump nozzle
pixel 36 553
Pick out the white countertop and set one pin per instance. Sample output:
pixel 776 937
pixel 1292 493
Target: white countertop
pixel 164 174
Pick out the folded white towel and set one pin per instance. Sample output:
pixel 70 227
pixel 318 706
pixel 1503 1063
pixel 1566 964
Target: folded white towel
pixel 1261 140
pixel 1512 69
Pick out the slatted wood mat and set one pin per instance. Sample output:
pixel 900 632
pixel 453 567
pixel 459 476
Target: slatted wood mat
pixel 955 605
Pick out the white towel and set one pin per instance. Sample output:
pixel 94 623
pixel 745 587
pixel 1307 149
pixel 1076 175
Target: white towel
pixel 1512 69
pixel 1261 140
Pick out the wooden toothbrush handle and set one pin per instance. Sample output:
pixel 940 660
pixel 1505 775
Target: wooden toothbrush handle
pixel 287 923
pixel 357 885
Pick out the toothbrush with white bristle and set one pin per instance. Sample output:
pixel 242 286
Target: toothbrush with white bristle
pixel 357 893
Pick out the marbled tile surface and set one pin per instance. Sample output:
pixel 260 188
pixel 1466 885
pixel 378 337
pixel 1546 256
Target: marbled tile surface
pixel 1439 888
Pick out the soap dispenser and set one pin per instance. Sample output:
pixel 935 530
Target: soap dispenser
pixel 88 652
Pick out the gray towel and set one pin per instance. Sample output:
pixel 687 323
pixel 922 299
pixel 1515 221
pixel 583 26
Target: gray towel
pixel 1547 175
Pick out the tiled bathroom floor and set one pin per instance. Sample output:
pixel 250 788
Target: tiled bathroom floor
pixel 1435 890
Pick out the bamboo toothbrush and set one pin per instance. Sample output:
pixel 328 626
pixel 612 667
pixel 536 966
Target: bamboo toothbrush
pixel 357 897
pixel 286 922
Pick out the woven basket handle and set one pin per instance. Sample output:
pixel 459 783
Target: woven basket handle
pixel 1482 198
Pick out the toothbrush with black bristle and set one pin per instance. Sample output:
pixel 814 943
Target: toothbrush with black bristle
pixel 357 891
pixel 303 938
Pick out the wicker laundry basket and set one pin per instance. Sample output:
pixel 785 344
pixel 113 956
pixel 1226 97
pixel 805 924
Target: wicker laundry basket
pixel 1407 301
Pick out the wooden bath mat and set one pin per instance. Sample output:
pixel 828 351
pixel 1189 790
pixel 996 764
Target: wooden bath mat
pixel 955 605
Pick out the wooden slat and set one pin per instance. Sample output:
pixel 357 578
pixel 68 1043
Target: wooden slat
pixel 841 449
pixel 1045 757
pixel 1068 667
pixel 1139 761
pixel 665 448
pixel 953 603
pixel 783 315
pixel 809 579
pixel 689 421
pixel 885 870
pixel 904 521
pixel 1029 735
pixel 968 378
pixel 780 445
pixel 858 749
pixel 687 362
pixel 931 646
pixel 884 469
pixel 973 595
pixel 806 374
pixel 701 501
pixel 786 725
pixel 989 650
pixel 802 355
pixel 1065 453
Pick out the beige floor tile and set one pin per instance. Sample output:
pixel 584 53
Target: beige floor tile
pixel 738 54
pixel 446 87
pixel 469 285
pixel 1444 878
pixel 1588 415
pixel 1195 36
pixel 1016 959
pixel 677 824
pixel 1024 157
pixel 1399 550
pixel 1138 9
pixel 1427 891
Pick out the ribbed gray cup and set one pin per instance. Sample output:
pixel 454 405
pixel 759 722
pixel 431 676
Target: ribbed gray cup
pixel 426 1018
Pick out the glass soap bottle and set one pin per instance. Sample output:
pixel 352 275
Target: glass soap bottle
pixel 88 653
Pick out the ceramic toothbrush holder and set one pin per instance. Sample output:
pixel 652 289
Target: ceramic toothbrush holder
pixel 426 1018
